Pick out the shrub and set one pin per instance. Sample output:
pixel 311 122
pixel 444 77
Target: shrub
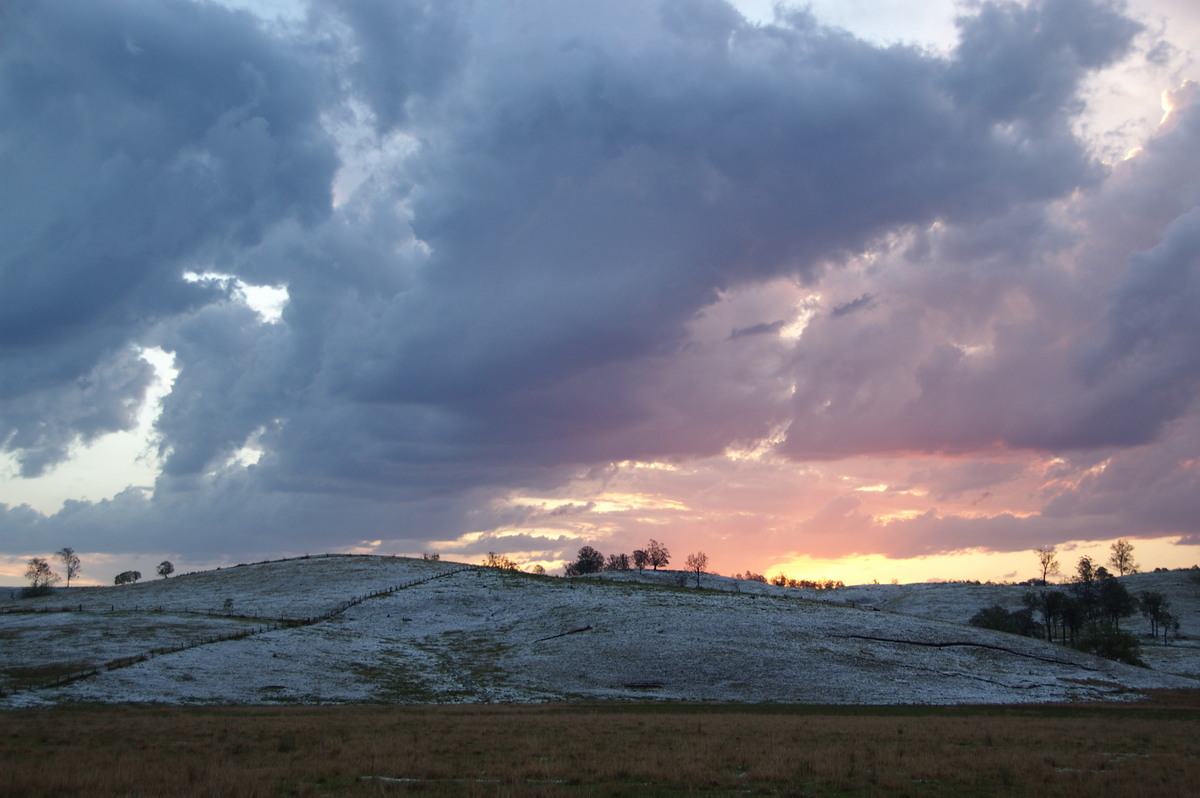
pixel 1111 644
pixel 1017 622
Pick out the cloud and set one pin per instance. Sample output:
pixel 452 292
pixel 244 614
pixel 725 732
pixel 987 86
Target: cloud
pixel 139 138
pixel 566 236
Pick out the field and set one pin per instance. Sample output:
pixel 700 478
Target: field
pixel 362 630
pixel 608 749
pixel 377 676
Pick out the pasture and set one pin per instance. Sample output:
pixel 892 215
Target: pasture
pixel 1130 749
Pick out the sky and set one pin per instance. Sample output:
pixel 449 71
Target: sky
pixel 861 291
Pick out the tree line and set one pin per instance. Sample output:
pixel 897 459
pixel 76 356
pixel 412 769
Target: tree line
pixel 590 561
pixel 42 577
pixel 1087 614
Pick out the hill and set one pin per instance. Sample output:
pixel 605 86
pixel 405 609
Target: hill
pixel 377 629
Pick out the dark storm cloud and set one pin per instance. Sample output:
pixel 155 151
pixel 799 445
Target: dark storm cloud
pixel 579 214
pixel 137 137
pixel 508 300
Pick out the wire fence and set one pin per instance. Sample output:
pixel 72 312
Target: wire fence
pixel 264 625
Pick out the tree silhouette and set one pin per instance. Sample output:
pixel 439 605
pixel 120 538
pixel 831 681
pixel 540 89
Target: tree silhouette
pixel 697 563
pixel 1121 558
pixel 70 561
pixel 40 577
pixel 1047 561
pixel 657 553
pixel 589 561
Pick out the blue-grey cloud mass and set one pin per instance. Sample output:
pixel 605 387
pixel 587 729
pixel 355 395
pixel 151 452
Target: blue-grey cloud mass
pixel 498 224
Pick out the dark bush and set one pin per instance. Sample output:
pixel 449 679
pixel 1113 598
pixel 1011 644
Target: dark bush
pixel 1017 622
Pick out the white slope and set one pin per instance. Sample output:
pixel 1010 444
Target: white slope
pixel 479 635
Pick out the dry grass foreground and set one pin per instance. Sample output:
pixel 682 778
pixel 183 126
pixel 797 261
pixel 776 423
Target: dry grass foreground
pixel 610 749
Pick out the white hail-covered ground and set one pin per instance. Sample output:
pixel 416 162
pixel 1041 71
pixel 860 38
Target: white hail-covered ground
pixel 438 633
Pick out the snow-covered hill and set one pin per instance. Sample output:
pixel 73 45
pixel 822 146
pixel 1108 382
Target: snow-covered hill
pixel 360 629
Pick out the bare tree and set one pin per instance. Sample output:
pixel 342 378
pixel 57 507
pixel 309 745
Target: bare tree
pixel 165 569
pixel 500 561
pixel 70 561
pixel 1121 558
pixel 1047 561
pixel 697 563
pixel 1155 608
pixel 617 562
pixel 40 577
pixel 657 554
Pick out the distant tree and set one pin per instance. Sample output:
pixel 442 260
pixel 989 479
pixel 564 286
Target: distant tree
pixel 1110 643
pixel 127 577
pixel 1047 561
pixel 1017 622
pixel 1084 585
pixel 41 578
pixel 1154 607
pixel 779 580
pixel 589 561
pixel 70 561
pixel 1121 557
pixel 1102 573
pixel 696 563
pixel 494 560
pixel 1114 602
pixel 538 569
pixel 617 562
pixel 659 556
pixel 640 559
pixel 428 557
pixel 165 569
pixel 1075 615
pixel 750 576
pixel 1085 570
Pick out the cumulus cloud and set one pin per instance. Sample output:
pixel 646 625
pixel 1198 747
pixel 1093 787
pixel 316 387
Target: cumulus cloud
pixel 570 235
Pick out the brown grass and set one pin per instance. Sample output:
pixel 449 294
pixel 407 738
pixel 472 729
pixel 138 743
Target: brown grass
pixel 617 749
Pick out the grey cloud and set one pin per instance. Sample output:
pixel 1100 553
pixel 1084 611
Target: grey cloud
pixel 766 328
pixel 1031 330
pixel 138 136
pixel 509 302
pixel 41 426
pixel 861 303
pixel 1023 63
pixel 402 51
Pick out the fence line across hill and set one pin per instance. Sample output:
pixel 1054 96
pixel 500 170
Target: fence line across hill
pixel 271 625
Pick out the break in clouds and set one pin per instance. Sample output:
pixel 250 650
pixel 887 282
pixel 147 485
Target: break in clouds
pixel 534 247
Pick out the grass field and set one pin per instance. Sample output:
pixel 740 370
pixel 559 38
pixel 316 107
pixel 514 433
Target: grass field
pixel 1149 748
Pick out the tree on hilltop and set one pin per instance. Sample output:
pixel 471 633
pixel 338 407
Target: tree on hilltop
pixel 589 561
pixel 1121 558
pixel 165 569
pixel 70 561
pixel 640 559
pixel 1047 561
pixel 127 577
pixel 697 563
pixel 500 561
pixel 617 562
pixel 657 554
pixel 41 578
